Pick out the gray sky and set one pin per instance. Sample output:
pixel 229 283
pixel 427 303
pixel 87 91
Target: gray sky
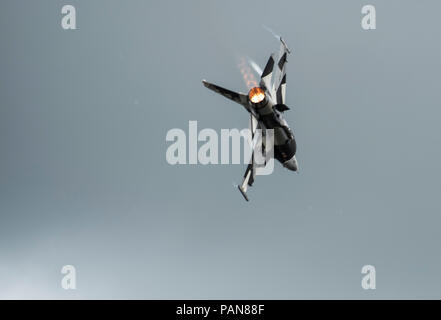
pixel 84 180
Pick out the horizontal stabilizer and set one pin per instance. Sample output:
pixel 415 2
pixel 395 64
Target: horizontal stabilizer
pixel 281 107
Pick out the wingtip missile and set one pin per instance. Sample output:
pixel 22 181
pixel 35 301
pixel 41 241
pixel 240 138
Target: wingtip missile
pixel 285 45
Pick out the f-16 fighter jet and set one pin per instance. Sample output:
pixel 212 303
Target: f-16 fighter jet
pixel 266 105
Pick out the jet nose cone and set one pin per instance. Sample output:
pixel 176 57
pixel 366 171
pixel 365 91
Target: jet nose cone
pixel 291 164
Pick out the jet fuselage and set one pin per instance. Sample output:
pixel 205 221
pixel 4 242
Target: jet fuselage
pixel 270 116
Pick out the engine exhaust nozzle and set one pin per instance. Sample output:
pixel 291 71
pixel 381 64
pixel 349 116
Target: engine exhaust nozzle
pixel 256 95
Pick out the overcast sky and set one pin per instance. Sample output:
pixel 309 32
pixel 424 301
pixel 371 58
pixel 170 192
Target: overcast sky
pixel 84 179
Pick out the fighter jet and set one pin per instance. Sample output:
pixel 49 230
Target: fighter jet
pixel 266 105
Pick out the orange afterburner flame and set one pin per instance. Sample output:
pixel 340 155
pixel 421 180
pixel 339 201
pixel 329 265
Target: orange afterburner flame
pixel 247 74
pixel 256 95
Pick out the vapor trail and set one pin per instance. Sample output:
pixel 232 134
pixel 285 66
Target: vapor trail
pixel 272 32
pixel 255 66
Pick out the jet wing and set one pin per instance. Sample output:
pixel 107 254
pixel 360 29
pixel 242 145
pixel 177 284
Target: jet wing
pixel 238 97
pixel 280 73
pixel 267 74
